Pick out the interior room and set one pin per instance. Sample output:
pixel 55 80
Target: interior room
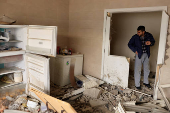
pixel 72 56
pixel 124 26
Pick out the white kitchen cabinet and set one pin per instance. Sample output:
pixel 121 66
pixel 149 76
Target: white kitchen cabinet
pixel 38 43
pixel 61 63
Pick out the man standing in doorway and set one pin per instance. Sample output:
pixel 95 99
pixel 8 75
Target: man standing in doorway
pixel 140 44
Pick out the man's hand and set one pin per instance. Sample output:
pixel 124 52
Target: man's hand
pixel 148 43
pixel 136 52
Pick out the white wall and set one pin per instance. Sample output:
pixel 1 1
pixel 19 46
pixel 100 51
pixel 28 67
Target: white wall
pixel 124 26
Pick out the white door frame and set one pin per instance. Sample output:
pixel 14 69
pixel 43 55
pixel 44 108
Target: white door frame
pixel 124 10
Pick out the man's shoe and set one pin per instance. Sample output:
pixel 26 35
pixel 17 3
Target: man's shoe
pixel 139 88
pixel 147 85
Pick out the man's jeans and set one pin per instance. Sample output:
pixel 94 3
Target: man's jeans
pixel 138 66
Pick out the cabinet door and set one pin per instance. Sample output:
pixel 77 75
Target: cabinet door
pixel 37 71
pixel 42 40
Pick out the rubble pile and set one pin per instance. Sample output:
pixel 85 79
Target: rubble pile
pixel 20 103
pixel 103 98
pixel 93 96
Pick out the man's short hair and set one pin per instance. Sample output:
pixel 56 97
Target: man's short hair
pixel 142 28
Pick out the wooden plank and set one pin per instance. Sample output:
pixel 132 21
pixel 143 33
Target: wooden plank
pixel 53 103
pixel 10 70
pixel 165 99
pixel 71 73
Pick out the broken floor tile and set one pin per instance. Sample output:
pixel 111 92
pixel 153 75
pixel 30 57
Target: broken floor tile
pixel 75 92
pixel 93 92
pixel 97 102
pixel 127 91
pixel 125 98
pixel 82 78
pixel 133 97
pixel 75 97
pixel 90 84
pixel 95 79
pixel 114 92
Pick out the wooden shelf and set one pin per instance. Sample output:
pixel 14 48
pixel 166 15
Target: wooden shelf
pixel 11 53
pixel 4 85
pixel 10 70
pixel 11 41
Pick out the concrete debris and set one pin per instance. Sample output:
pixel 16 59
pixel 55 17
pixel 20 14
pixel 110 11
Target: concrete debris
pixel 160 103
pixel 90 84
pixel 127 91
pixel 133 97
pixel 95 79
pixel 93 92
pixel 104 109
pixel 97 102
pixel 130 103
pixel 119 109
pixel 75 97
pixel 103 98
pixel 18 104
pixel 87 109
pixel 82 78
pixel 114 92
pixel 125 98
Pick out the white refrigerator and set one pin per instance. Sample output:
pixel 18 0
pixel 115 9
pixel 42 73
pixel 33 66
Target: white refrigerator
pixel 38 43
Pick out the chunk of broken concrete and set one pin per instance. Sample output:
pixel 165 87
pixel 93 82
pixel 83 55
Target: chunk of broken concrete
pixel 75 92
pixel 75 97
pixel 114 92
pixel 95 79
pixel 97 102
pixel 125 98
pixel 90 84
pixel 133 97
pixel 93 92
pixel 127 91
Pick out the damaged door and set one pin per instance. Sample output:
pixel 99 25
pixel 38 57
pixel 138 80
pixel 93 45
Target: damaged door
pixel 37 71
pixel 116 68
pixel 161 50
pixel 163 36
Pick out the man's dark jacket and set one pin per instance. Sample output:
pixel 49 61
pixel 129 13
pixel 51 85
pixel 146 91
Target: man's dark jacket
pixel 135 44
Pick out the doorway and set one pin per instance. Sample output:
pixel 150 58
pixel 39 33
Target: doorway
pixel 123 27
pixel 119 26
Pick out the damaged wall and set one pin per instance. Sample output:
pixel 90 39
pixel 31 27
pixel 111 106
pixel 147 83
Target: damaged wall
pixel 86 19
pixel 39 12
pixel 124 26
